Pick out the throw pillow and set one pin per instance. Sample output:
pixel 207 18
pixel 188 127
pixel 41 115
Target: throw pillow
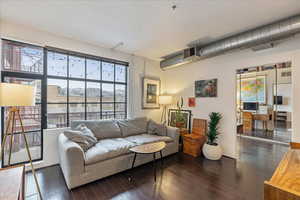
pixel 107 129
pixel 156 128
pixel 82 136
pixel 86 131
pixel 133 126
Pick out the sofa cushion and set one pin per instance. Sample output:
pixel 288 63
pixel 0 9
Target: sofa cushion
pixel 133 126
pixel 102 129
pixel 82 136
pixel 156 128
pixel 147 138
pixel 106 149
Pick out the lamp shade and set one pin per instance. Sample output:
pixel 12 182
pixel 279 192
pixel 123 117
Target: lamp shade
pixel 16 95
pixel 165 99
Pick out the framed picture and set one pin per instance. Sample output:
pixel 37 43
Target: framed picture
pixel 192 101
pixel 187 118
pixel 206 88
pixel 150 93
pixel 252 89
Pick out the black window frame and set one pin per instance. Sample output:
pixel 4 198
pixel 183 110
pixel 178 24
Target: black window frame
pixel 86 81
pixel 44 80
pixel 29 75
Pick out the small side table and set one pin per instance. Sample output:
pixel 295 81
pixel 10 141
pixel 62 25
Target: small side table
pixel 192 144
pixel 151 148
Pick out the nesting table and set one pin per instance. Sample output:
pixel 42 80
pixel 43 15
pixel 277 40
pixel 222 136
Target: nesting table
pixel 151 148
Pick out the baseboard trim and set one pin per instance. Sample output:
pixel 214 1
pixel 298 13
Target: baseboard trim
pixel 264 140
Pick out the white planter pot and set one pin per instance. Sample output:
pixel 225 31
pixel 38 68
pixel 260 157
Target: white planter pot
pixel 212 152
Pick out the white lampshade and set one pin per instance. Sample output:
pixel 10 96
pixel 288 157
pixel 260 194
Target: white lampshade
pixel 16 95
pixel 165 100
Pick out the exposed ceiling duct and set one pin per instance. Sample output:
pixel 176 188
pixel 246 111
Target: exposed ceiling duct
pixel 266 34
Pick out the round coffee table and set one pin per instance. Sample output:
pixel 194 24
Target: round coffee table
pixel 151 148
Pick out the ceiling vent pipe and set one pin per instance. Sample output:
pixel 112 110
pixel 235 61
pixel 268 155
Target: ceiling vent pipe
pixel 262 35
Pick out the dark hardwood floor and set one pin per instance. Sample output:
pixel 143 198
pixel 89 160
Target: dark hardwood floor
pixel 281 133
pixel 182 178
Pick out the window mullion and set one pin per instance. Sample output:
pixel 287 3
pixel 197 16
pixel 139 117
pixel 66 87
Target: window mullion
pixel 114 90
pixel 126 85
pixel 68 110
pixel 85 90
pixel 101 107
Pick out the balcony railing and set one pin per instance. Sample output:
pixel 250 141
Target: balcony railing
pixel 59 120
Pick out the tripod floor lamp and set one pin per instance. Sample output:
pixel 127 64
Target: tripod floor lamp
pixel 12 96
pixel 164 100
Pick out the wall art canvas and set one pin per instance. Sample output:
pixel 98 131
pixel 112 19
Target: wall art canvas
pixel 206 88
pixel 151 91
pixel 192 101
pixel 253 89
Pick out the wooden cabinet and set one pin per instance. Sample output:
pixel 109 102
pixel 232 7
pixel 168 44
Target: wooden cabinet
pixel 192 144
pixel 12 180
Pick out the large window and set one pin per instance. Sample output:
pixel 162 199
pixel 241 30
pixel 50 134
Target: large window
pixel 82 87
pixel 23 64
pixel 70 86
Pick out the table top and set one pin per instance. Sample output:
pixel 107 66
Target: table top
pixel 286 176
pixel 11 180
pixel 149 148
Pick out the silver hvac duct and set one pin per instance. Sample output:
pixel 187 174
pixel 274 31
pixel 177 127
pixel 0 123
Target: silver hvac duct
pixel 264 34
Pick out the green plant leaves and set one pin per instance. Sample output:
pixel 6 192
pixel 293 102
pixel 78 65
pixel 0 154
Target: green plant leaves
pixel 212 133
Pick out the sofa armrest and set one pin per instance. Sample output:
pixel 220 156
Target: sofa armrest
pixel 173 132
pixel 71 157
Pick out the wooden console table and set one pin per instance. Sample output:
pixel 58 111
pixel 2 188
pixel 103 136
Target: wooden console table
pixel 285 182
pixel 12 181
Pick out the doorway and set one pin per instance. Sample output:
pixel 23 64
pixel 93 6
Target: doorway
pixel 264 102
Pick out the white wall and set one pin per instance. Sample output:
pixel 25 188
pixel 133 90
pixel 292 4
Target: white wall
pixel 180 81
pixel 138 68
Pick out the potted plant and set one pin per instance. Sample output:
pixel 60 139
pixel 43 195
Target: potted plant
pixel 211 149
pixel 179 118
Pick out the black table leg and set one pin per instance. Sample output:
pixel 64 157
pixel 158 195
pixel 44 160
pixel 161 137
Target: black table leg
pixel 161 158
pixel 154 166
pixel 132 166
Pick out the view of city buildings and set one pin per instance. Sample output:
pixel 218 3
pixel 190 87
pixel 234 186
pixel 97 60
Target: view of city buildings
pixel 78 88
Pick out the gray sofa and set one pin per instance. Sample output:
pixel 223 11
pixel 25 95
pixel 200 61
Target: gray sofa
pixel 111 153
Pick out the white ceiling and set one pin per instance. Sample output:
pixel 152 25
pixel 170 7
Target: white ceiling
pixel 149 28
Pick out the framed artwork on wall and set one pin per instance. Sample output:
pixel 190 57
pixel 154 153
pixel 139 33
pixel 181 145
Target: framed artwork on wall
pixel 187 114
pixel 206 88
pixel 150 93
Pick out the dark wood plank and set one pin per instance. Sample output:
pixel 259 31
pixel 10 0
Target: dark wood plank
pixel 182 177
